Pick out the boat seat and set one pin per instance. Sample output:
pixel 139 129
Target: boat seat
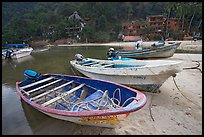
pixel 62 95
pixel 37 82
pixel 54 89
pixel 91 63
pixel 107 65
pixel 46 85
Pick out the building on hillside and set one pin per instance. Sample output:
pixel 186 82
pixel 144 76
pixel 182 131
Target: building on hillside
pixel 134 28
pixel 154 25
pixel 156 21
pixel 173 23
pixel 74 30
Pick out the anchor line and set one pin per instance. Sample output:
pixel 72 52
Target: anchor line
pixel 183 94
pixel 73 71
pixel 150 110
pixel 196 67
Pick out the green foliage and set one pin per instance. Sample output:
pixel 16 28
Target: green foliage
pixel 88 34
pixel 102 36
pixel 31 20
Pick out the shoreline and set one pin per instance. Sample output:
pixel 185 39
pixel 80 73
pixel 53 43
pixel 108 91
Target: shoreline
pixel 185 46
pixel 119 44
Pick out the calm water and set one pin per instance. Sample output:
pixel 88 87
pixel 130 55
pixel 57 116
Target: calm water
pixel 20 118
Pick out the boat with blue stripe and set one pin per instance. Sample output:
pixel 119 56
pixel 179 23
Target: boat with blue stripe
pixel 146 75
pixel 154 51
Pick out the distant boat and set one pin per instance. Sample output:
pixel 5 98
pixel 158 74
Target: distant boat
pixel 16 51
pixel 157 50
pixel 78 99
pixel 145 75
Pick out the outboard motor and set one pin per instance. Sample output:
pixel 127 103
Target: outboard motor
pixel 30 74
pixel 112 54
pixel 8 53
pixel 79 57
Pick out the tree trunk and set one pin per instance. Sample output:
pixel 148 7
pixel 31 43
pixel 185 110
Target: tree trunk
pixel 200 23
pixel 189 28
pixel 180 22
pixel 183 23
pixel 166 25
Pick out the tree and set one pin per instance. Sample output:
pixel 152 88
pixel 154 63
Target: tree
pixel 169 8
pixel 197 8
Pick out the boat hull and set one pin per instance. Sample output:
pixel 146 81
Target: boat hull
pixel 160 52
pixel 149 83
pixel 19 53
pixel 110 121
pixel 148 78
pixel 22 53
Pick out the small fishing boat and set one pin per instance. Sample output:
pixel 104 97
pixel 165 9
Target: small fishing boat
pixel 157 50
pixel 16 51
pixel 78 99
pixel 145 75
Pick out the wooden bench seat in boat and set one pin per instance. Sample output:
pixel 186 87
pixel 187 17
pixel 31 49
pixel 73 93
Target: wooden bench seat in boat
pixel 62 95
pixel 37 82
pixel 107 65
pixel 49 91
pixel 44 86
pixel 91 63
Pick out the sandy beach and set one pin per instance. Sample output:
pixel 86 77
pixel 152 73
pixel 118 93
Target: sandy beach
pixel 176 110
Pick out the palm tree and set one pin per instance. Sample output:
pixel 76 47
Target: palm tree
pixel 197 8
pixel 169 8
pixel 182 10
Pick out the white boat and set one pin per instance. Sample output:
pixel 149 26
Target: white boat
pixel 16 51
pixel 145 75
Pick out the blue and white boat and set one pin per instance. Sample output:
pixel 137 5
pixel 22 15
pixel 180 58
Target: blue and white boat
pixel 146 75
pixel 78 99
pixel 157 50
pixel 16 51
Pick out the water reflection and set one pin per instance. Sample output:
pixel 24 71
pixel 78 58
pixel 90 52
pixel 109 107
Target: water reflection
pixel 15 62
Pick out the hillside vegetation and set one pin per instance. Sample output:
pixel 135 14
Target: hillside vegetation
pixel 31 21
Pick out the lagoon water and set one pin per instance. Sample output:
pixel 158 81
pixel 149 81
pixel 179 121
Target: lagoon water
pixel 20 118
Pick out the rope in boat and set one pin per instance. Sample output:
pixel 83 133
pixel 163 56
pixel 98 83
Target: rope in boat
pixel 98 102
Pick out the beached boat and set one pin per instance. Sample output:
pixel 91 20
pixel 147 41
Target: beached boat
pixel 78 99
pixel 146 75
pixel 154 51
pixel 16 51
